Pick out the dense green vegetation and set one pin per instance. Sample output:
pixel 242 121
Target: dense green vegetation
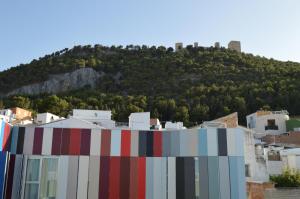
pixel 191 85
pixel 289 178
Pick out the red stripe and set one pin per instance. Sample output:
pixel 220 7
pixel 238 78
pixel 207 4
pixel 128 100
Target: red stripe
pixel 125 177
pixel 114 178
pixel 105 142
pixel 74 147
pixel 104 177
pixel 56 141
pixel 133 190
pixel 125 143
pixel 38 141
pixel 65 141
pixel 141 177
pixel 157 144
pixel 5 143
pixel 85 142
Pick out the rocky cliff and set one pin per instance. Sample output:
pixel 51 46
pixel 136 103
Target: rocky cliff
pixel 61 82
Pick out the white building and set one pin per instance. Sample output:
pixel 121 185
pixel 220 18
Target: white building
pixel 267 122
pixel 99 117
pixel 174 125
pixel 72 123
pixel 43 118
pixel 139 121
pixel 7 115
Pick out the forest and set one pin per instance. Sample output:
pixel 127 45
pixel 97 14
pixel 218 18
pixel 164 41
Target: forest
pixel 192 85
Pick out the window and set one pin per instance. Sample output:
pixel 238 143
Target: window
pixel 247 170
pixel 271 122
pixel 41 178
pixel 271 125
pixel 48 178
pixel 32 179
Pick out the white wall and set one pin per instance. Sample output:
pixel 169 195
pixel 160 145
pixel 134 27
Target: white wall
pixel 43 118
pixel 91 114
pixel 102 118
pixel 139 121
pixel 275 167
pixel 175 125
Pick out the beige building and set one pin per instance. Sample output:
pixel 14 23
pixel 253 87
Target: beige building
pixel 178 46
pixel 217 45
pixel 235 45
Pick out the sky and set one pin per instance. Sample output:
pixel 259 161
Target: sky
pixel 33 28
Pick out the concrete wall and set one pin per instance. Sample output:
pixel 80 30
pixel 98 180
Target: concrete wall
pixel 275 167
pixel 288 193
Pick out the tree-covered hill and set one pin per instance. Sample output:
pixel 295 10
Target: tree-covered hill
pixel 191 85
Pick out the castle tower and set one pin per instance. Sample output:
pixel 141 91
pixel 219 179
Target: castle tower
pixel 178 46
pixel 235 45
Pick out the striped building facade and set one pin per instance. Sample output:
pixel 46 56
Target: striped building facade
pixel 109 164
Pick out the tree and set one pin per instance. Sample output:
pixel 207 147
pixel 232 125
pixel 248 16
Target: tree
pixel 182 114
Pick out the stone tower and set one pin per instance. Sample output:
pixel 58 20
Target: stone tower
pixel 235 45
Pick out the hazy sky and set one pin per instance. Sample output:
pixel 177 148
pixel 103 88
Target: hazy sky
pixel 32 28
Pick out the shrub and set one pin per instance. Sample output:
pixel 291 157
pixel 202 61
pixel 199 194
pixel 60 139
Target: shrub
pixel 289 178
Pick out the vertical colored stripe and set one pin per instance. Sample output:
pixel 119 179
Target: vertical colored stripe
pixel 72 177
pixel 213 173
pixel 115 147
pixel 125 177
pixel 56 141
pixel 171 177
pixel 149 141
pixel 2 128
pixel 94 173
pixel 47 141
pixel 189 177
pixel 21 136
pixel 231 146
pixel 3 156
pixel 14 140
pixel 203 177
pixel 28 141
pixel 134 145
pixel 85 142
pixel 114 178
pixel 133 190
pixel 212 142
pixel 104 176
pixel 141 178
pixel 174 143
pixel 17 179
pixel 62 177
pixel 222 142
pixel 65 141
pixel 95 142
pixel 180 188
pixel 157 143
pixel 202 142
pixel 233 171
pixel 224 177
pixel 125 143
pixel 166 149
pixel 149 177
pixel 142 143
pixel 10 176
pixel 6 137
pixel 105 142
pixel 75 137
pixel 83 177
pixel 38 141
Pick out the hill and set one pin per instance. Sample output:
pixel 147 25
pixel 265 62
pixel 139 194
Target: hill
pixel 191 85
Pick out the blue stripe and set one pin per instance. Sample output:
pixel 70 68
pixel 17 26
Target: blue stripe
pixel 2 172
pixel 202 142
